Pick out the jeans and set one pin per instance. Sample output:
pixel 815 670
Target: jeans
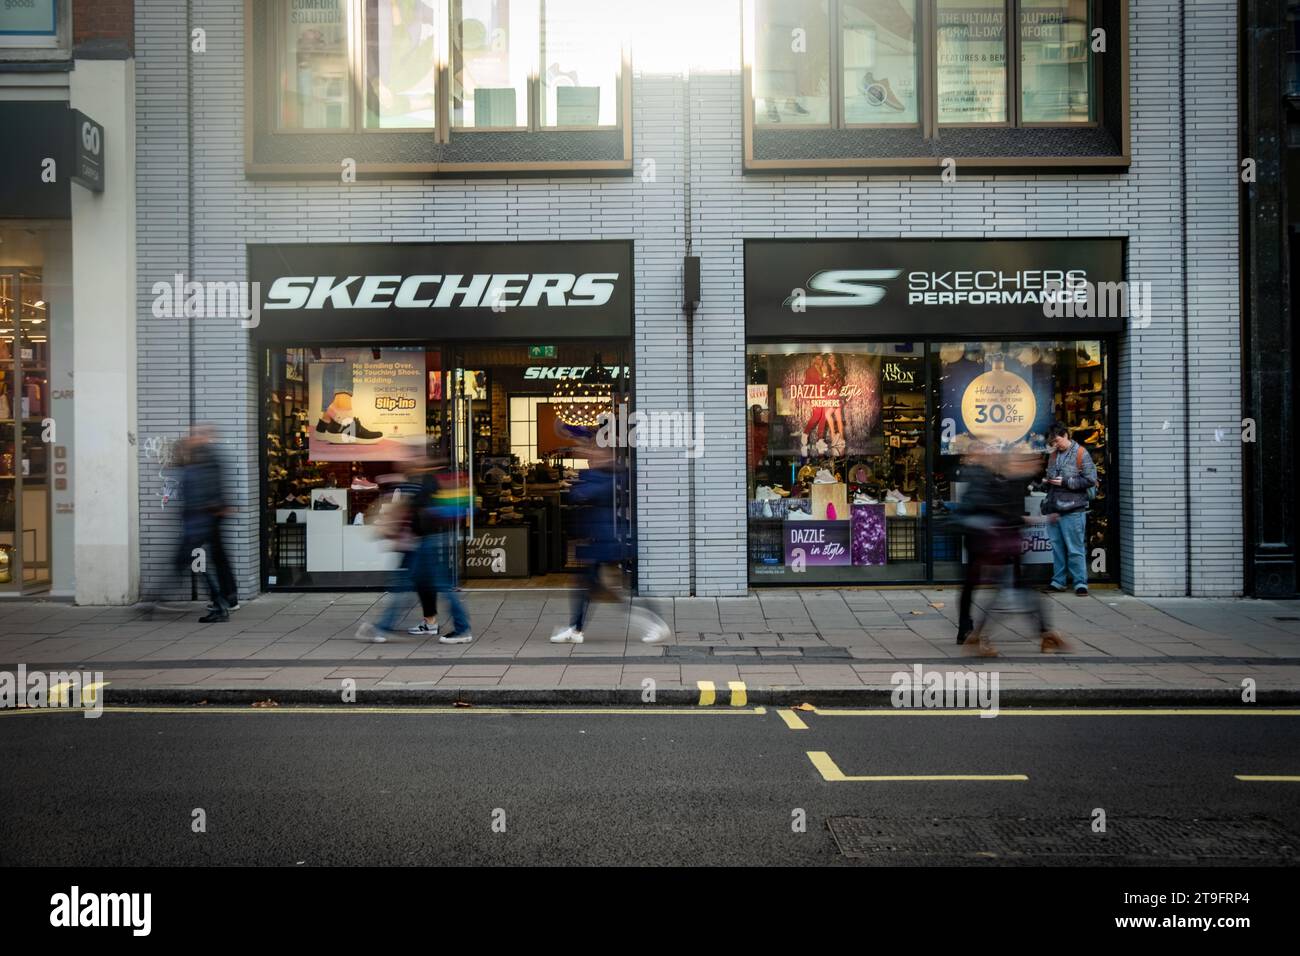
pixel 436 573
pixel 1067 534
pixel 335 377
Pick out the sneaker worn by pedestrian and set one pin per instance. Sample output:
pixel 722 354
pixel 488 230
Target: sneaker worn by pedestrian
pixel 214 617
pixel 1053 643
pixel 456 637
pixel 1081 591
pixel 650 626
pixel 423 629
pixel 368 632
pixel 978 645
pixel 567 635
pixel 232 604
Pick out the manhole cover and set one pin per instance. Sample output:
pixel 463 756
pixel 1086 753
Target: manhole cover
pixel 1138 839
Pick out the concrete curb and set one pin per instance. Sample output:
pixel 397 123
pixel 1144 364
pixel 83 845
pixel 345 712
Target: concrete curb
pixel 682 697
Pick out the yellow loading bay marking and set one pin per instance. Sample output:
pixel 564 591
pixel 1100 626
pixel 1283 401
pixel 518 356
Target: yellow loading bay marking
pixel 1061 712
pixel 831 773
pixel 792 719
pixel 709 693
pixel 57 695
pixel 1267 778
pixel 364 709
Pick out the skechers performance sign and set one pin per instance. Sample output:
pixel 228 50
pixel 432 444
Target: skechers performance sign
pixel 923 286
pixel 443 290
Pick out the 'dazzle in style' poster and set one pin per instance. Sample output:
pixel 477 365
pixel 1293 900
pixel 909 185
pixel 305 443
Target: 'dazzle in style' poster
pixel 830 400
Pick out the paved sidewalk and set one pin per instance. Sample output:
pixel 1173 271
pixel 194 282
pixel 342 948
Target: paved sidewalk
pixel 779 644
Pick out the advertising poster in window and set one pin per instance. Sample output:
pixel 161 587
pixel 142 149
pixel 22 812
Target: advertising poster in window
pixel 995 398
pixel 828 402
pixel 971 62
pixel 368 404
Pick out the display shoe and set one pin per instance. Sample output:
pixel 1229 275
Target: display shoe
pixel 359 519
pixel 349 432
pixel 781 491
pixel 880 93
pixel 798 516
pixel 325 503
pixel 764 493
pixel 864 500
pixel 824 477
pixel 361 483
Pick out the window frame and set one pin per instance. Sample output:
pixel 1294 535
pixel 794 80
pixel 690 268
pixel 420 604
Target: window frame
pixel 449 13
pixel 927 57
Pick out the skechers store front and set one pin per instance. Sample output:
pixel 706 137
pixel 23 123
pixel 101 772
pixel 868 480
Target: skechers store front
pixel 872 364
pixel 372 354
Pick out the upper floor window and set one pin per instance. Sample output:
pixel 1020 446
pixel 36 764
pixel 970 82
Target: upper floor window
pixel 348 65
pixel 921 63
pixel 29 23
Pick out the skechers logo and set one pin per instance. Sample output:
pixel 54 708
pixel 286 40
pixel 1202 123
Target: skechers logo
pixel 845 287
pixel 488 291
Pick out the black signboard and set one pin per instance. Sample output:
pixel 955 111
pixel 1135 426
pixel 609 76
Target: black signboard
pixel 361 292
pixel 804 288
pixel 87 152
pixel 34 164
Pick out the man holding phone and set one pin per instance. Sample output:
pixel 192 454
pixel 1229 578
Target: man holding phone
pixel 1071 474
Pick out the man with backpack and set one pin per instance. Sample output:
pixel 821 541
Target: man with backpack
pixel 1071 482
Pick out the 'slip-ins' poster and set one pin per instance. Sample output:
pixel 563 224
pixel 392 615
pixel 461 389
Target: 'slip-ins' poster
pixel 831 400
pixel 366 404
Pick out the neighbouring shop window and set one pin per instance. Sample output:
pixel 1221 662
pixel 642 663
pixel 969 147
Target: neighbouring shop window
pixel 493 53
pixel 836 462
pixel 1056 74
pixel 582 51
pixel 791 70
pixel 1005 395
pixel 401 64
pixel 315 85
pixel 879 63
pixel 879 80
pixel 971 61
pixel 29 23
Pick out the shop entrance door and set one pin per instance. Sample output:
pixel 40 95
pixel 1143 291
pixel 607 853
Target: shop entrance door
pixel 25 563
pixel 458 413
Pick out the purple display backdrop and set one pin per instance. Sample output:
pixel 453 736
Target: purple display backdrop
pixel 868 534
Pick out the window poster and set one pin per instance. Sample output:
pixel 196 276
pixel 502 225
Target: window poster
pixel 995 398
pixel 971 62
pixel 369 404
pixel 830 401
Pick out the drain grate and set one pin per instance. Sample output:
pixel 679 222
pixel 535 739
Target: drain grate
pixel 1138 839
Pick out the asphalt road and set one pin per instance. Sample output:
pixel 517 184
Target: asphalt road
pixel 698 786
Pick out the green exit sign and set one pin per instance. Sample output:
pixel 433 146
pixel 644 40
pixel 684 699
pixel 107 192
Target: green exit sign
pixel 541 351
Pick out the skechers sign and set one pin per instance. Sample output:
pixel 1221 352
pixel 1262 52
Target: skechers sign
pixel 445 290
pixel 923 286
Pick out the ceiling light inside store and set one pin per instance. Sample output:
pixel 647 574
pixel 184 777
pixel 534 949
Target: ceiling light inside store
pixel 580 401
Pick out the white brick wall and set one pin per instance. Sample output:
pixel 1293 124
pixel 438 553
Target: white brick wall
pixel 1143 205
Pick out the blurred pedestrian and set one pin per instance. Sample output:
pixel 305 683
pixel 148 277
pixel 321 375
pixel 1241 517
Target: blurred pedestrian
pixel 594 522
pixel 203 506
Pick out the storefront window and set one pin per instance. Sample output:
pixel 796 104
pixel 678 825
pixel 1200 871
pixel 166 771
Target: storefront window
pixel 1056 73
pixel 493 51
pixel 315 83
pixel 1006 395
pixel 791 68
pixel 879 61
pixel 582 53
pixel 971 61
pixel 837 458
pixel 401 63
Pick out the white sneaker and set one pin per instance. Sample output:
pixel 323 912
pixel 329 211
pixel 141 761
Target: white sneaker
pixel 821 446
pixel 764 493
pixel 456 637
pixel 793 515
pixel 423 630
pixel 824 477
pixel 649 625
pixel 368 632
pixel 568 635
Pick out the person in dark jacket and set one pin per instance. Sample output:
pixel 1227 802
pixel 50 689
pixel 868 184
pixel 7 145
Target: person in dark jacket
pixel 991 515
pixel 203 505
